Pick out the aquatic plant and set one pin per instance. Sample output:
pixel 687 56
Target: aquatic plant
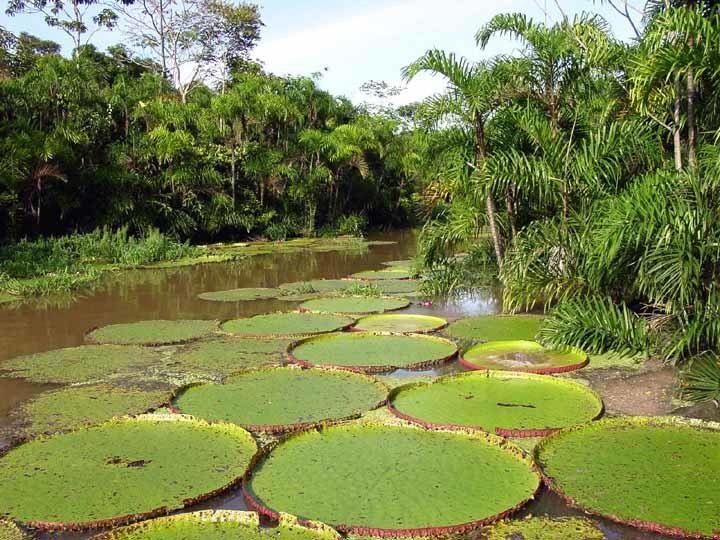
pixel 241 295
pixel 362 288
pixel 657 474
pixel 372 353
pixel 397 286
pixel 544 528
pixel 381 471
pixel 281 399
pixel 121 471
pixel 354 304
pixel 522 356
pixel 506 403
pixel 317 286
pixel 10 531
pixel 287 324
pixel 496 328
pixel 150 333
pixel 388 273
pixel 405 323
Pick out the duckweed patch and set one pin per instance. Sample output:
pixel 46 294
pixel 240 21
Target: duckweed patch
pixel 76 406
pixel 659 474
pixel 241 295
pixel 542 528
pixel 218 525
pixel 355 304
pixel 509 404
pixel 388 273
pixel 158 332
pixel 383 473
pixel 79 364
pixel 372 353
pixel 287 324
pixel 522 356
pixel 496 328
pixel 284 398
pixel 400 323
pixel 121 471
pixel 10 531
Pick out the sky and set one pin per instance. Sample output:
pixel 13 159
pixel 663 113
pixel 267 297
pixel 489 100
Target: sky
pixel 351 42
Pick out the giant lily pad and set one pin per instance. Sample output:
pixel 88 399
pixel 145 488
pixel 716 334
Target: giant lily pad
pixel 152 332
pixel 373 479
pixel 397 286
pixel 240 295
pixel 496 328
pixel 279 399
pixel 216 359
pixel 509 404
pixel 388 273
pixel 79 364
pixel 543 528
pixel 75 406
pixel 317 286
pixel 372 353
pixel 287 324
pixel 219 525
pixel 522 356
pixel 120 472
pixel 354 304
pixel 400 323
pixel 658 474
pixel 405 263
pixel 10 531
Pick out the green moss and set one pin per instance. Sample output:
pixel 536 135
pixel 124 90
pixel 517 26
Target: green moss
pixel 355 304
pixel 521 356
pixel 389 273
pixel 216 359
pixel 10 531
pixel 79 364
pixel 283 397
pixel 76 406
pixel 496 328
pixel 661 470
pixel 379 476
pixel 153 332
pixel 541 528
pixel 400 323
pixel 492 400
pixel 241 295
pixel 367 350
pixel 218 525
pixel 287 324
pixel 122 468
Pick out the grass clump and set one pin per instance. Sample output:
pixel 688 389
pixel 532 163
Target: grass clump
pixel 152 332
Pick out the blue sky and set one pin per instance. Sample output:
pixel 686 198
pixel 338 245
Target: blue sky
pixel 351 42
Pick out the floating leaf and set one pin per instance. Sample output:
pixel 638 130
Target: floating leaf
pixel 287 324
pixel 496 328
pixel 400 323
pixel 522 356
pixel 240 295
pixel 354 304
pixel 152 332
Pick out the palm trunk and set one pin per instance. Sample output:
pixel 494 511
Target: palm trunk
pixel 692 122
pixel 489 200
pixel 510 203
pixel 677 143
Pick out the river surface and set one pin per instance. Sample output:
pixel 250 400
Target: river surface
pixel 172 294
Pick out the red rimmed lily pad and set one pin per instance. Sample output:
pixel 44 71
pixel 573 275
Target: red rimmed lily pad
pixel 355 304
pixel 241 295
pixel 387 273
pixel 522 356
pixel 287 324
pixel 404 323
pixel 152 333
pixel 496 328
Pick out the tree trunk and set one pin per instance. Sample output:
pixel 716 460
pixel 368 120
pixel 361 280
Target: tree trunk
pixel 510 203
pixel 677 143
pixel 489 201
pixel 691 120
pixel 232 179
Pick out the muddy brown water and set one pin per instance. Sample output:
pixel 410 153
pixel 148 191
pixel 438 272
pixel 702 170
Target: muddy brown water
pixel 172 294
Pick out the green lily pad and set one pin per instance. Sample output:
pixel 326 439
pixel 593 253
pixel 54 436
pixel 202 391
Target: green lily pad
pixel 240 295
pixel 219 525
pixel 405 263
pixel 279 399
pixel 122 471
pixel 372 353
pixel 659 474
pixel 76 406
pixel 152 332
pixel 509 404
pixel 496 328
pixel 216 359
pixel 79 364
pixel 388 273
pixel 400 323
pixel 397 286
pixel 10 531
pixel 543 528
pixel 374 478
pixel 317 286
pixel 355 304
pixel 522 356
pixel 287 324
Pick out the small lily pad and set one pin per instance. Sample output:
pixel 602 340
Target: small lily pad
pixel 355 304
pixel 388 273
pixel 79 364
pixel 400 323
pixel 280 399
pixel 496 328
pixel 505 403
pixel 405 263
pixel 522 356
pixel 121 471
pixel 220 525
pixel 287 324
pixel 372 353
pixel 152 332
pixel 317 286
pixel 241 295
pixel 658 474
pixel 397 286
pixel 543 528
